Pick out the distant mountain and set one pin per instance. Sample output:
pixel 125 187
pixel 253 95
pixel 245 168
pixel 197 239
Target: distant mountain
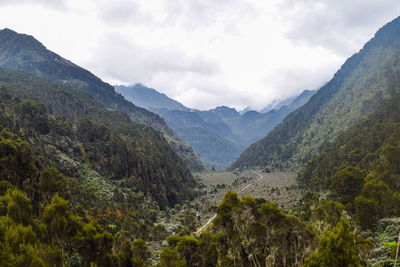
pixel 23 52
pixel 148 98
pixel 218 135
pixel 361 84
pixel 253 125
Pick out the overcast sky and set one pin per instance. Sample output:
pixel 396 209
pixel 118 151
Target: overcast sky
pixel 205 53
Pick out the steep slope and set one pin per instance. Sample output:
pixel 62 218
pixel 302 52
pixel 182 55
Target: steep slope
pixel 356 89
pixel 148 98
pixel 25 53
pixel 361 171
pixel 107 141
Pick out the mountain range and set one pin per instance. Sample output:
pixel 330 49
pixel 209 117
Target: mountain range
pixel 218 135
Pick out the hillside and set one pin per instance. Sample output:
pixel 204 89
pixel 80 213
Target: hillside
pixel 362 162
pixel 356 89
pixel 25 53
pixel 218 135
pixel 360 170
pixel 108 141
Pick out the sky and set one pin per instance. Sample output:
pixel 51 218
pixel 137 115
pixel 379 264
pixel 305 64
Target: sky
pixel 205 53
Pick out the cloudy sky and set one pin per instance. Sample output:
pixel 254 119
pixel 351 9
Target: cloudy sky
pixel 205 53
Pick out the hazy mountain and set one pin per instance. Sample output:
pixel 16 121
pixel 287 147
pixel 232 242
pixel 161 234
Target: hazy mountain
pixel 222 133
pixel 253 125
pixel 25 53
pixel 148 98
pixel 363 81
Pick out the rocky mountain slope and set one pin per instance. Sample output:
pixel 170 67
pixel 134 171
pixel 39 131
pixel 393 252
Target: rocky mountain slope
pixel 361 84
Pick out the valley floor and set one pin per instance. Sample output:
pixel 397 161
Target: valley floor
pixel 280 187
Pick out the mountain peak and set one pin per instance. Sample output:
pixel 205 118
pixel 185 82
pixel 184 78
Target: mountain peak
pixel 7 30
pixel 226 112
pixel 148 98
pixel 11 35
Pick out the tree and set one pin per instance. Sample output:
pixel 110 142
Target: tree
pixel 51 181
pixel 335 249
pixel 61 224
pixel 347 183
pixel 94 242
pixel 16 160
pixel 140 253
pixel 17 206
pixel 366 211
pixel 169 258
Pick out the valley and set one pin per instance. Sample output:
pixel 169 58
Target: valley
pixel 103 176
pixel 218 136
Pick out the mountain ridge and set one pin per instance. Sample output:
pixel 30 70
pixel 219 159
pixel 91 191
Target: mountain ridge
pixel 25 53
pixel 356 88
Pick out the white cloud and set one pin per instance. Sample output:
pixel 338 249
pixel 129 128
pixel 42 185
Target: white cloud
pixel 339 25
pixel 57 4
pixel 205 53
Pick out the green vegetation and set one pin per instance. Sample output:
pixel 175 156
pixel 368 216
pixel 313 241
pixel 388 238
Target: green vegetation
pixel 72 131
pixel 360 169
pixel 75 176
pixel 335 249
pixel 58 237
